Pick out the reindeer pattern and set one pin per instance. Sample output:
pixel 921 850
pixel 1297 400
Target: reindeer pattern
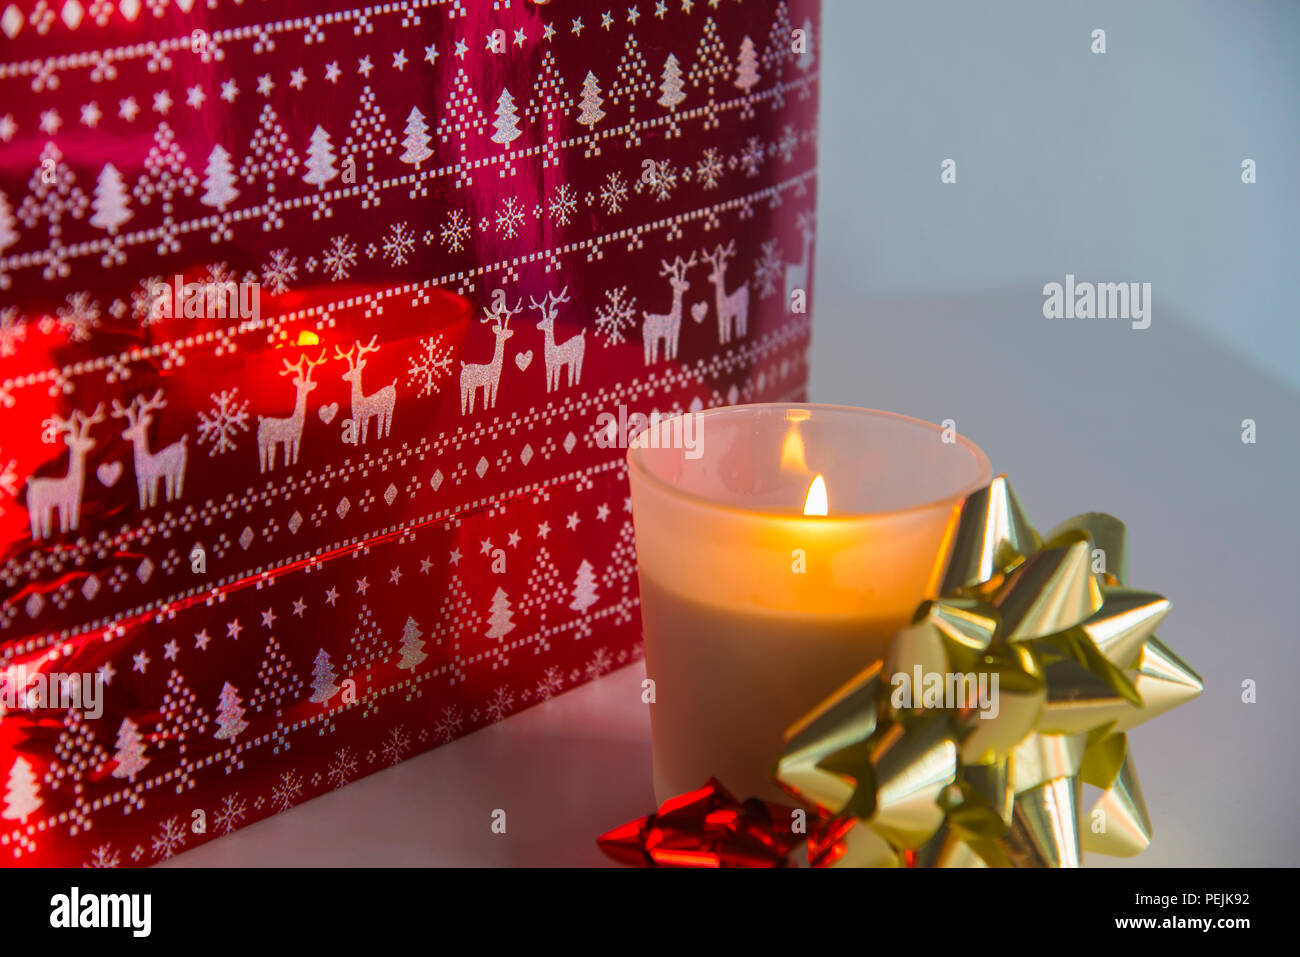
pixel 733 307
pixel 166 464
pixel 366 407
pixel 287 432
pixel 475 376
pixel 569 353
pixel 666 329
pixel 279 438
pixel 46 495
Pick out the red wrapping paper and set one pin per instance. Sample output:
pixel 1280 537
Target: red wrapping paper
pixel 382 568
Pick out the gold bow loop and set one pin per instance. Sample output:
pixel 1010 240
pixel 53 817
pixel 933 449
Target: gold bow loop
pixel 1012 688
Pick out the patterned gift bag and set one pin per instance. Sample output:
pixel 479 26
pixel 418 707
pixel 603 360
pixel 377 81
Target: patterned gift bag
pixel 322 331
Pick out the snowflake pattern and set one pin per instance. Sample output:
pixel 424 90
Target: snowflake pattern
pixel 617 314
pixel 663 181
pixel 510 217
pixel 104 856
pixel 396 745
pixel 430 364
pixel 769 269
pixel 342 768
pixel 455 231
pixel 563 204
pixel 709 169
pixel 499 705
pixel 551 684
pixel 142 301
pixel 614 193
pixel 221 424
pixel 170 839
pixel 600 663
pixel 399 244
pixel 13 330
pixel 448 725
pixel 751 157
pixel 279 272
pixel 78 317
pixel 339 258
pixel 231 813
pixel 288 792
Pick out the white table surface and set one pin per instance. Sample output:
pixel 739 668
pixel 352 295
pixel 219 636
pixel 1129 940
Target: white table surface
pixel 1083 416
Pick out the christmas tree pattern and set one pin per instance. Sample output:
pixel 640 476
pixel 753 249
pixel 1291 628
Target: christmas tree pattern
pixel 166 175
pixel 320 159
pixel 179 716
pixel 671 93
pixel 547 106
pixel 584 588
pixel 589 111
pixel 456 618
pixel 322 685
pixel 278 681
pixel 416 143
pixel 499 623
pixel 747 66
pixel 632 81
pixel 412 647
pixel 368 134
pixel 269 153
pixel 130 751
pixel 367 646
pixel 710 70
pixel 543 586
pixel 22 794
pixel 52 195
pixel 230 713
pixel 77 757
pixel 219 180
pixel 111 201
pixel 779 51
pixel 506 125
pixel 462 117
pixel 622 561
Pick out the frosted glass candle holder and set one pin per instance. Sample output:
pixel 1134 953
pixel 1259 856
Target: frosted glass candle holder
pixel 754 611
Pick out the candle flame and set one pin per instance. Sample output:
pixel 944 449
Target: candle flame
pixel 816 503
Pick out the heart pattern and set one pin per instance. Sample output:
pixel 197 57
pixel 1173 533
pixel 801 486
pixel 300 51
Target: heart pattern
pixel 109 473
pixel 699 311
pixel 327 412
pixel 524 359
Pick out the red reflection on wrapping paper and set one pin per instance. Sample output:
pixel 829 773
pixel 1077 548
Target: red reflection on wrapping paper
pixel 706 828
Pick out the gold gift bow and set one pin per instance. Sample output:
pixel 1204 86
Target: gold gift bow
pixel 1078 665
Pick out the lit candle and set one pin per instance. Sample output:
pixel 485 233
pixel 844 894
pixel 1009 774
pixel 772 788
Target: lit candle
pixel 778 551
